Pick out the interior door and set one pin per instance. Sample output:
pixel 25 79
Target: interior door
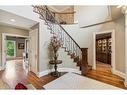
pixel 25 57
pixel 33 50
pixel 3 51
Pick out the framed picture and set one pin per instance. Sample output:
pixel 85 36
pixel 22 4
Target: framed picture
pixel 20 45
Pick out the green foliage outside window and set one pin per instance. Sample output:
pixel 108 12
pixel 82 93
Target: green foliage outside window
pixel 10 48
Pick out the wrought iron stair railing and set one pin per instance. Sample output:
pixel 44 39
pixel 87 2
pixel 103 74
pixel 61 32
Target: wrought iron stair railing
pixel 55 27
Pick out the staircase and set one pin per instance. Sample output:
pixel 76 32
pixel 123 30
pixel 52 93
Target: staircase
pixel 68 43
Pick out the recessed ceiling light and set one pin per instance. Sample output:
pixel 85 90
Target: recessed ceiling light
pixel 119 6
pixel 12 20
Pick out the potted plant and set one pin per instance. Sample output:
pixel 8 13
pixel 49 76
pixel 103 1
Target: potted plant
pixel 55 44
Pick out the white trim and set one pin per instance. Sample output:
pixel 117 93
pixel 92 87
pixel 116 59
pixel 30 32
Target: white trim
pixel 125 83
pixel 16 35
pixel 3 61
pixel 94 52
pixel 126 47
pixel 43 73
pixel 121 74
pixel 109 13
pixel 3 46
pixel 112 49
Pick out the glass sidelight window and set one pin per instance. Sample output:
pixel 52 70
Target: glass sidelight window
pixel 10 48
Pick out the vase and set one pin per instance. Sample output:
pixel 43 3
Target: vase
pixel 55 55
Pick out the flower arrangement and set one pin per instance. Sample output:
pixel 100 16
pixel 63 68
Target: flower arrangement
pixel 55 44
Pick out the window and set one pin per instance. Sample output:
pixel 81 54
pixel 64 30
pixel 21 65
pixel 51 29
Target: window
pixel 10 48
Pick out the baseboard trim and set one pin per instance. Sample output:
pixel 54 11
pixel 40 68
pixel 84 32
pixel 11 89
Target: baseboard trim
pixel 121 74
pixel 43 73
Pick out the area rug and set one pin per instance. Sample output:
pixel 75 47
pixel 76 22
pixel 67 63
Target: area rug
pixel 3 85
pixel 75 81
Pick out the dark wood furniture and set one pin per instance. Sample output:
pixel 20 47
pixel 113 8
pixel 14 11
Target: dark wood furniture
pixel 103 48
pixel 55 62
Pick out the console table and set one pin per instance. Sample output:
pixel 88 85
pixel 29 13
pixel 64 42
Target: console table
pixel 55 62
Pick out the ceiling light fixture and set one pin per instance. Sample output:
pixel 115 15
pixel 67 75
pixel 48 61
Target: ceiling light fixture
pixel 12 20
pixel 119 6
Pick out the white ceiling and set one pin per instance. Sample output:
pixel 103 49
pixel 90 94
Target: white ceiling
pixel 20 22
pixel 26 23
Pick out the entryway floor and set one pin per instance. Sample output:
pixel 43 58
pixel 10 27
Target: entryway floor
pixel 103 67
pixel 14 73
pixel 103 73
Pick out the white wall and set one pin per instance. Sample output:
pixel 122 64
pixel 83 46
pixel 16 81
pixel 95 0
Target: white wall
pixel 120 44
pixel 88 15
pixel 44 37
pixel 85 16
pixel 84 37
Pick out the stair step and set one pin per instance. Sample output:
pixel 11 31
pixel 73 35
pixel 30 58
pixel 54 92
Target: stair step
pixel 69 53
pixel 73 55
pixel 76 59
pixel 79 63
pixel 66 50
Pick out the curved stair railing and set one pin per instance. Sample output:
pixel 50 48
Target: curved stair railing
pixel 55 28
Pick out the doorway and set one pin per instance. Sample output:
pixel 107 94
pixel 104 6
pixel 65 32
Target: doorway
pixel 13 49
pixel 104 51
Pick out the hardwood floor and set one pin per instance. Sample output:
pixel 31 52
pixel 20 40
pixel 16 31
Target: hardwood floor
pixel 103 67
pixel 103 74
pixel 14 74
pixel 40 82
